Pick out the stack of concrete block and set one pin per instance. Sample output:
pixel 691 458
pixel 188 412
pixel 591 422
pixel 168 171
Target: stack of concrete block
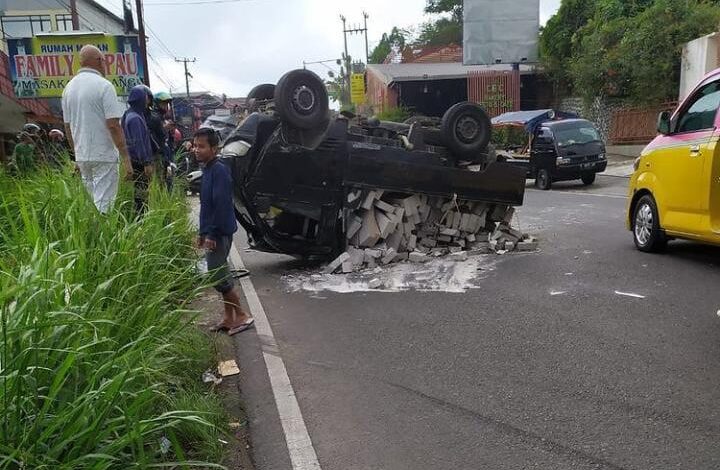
pixel 383 228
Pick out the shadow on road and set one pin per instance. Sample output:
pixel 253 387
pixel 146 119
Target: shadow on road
pixel 693 251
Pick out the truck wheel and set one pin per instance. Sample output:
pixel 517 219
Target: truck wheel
pixel 301 99
pixel 647 233
pixel 263 92
pixel 543 180
pixel 588 178
pixel 466 129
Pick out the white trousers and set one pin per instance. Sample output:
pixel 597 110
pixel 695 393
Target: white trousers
pixel 101 182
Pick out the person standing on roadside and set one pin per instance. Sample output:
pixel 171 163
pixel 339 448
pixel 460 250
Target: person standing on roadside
pixel 217 226
pixel 137 136
pixel 91 113
pixel 159 135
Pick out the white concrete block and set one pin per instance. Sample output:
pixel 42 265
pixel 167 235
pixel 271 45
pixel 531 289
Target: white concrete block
pixel 447 223
pixel 418 257
pixel 457 218
pixel 465 223
pixel 384 223
pixel 527 246
pixel 357 257
pixel 353 196
pixel 353 227
pixel 336 263
pixel 459 256
pixel 384 206
pixel 375 283
pixel 470 238
pixel 455 249
pixel 347 267
pixel 428 242
pixel 369 200
pixel 393 241
pixel 450 232
pixel 369 233
pixel 389 256
pixel 412 242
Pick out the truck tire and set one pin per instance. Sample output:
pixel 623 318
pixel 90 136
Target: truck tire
pixel 466 129
pixel 543 180
pixel 301 99
pixel 263 92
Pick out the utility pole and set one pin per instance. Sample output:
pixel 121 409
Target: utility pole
pixel 187 74
pixel 353 30
pixel 357 30
pixel 74 15
pixel 367 47
pixel 142 40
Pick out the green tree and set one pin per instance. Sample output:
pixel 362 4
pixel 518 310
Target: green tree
pixel 651 50
pixel 624 48
pixel 454 7
pixel 396 38
pixel 558 37
pixel 448 29
pixel 441 32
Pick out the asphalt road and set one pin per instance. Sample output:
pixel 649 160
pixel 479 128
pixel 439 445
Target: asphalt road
pixel 544 365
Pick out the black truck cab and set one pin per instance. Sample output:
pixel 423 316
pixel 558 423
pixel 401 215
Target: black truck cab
pixel 559 148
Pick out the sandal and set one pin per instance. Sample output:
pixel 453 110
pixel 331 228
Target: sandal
pixel 239 329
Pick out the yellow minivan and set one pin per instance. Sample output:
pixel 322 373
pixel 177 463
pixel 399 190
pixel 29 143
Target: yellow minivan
pixel 675 189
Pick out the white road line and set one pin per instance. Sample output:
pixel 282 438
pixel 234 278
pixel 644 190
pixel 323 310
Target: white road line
pixel 300 447
pixel 580 193
pixel 630 294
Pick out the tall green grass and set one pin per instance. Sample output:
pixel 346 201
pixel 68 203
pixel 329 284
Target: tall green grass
pixel 99 363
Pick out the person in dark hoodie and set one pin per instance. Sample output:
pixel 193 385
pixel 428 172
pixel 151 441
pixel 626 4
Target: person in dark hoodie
pixel 137 136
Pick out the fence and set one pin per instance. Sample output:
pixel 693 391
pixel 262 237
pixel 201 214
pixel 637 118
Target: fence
pixel 497 92
pixel 636 125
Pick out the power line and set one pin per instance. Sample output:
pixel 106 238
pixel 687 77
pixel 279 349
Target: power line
pixel 162 44
pixel 161 74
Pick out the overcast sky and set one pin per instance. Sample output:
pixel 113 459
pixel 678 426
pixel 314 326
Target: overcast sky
pixel 243 43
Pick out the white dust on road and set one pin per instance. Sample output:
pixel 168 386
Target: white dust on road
pixel 438 275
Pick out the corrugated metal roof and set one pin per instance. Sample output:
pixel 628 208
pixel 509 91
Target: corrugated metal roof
pixel 390 73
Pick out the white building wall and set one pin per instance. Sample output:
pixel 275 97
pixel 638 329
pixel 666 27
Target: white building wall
pixel 698 58
pixel 93 19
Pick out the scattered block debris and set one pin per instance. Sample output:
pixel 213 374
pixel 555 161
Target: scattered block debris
pixel 383 228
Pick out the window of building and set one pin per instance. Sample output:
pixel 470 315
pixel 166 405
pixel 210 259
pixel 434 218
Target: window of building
pixel 64 22
pixel 24 26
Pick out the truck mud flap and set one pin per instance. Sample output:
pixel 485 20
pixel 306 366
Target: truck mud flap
pixel 501 183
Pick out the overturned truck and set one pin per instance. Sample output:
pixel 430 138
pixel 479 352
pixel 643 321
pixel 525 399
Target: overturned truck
pixel 304 178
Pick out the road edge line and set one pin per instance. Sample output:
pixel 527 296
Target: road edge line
pixel 300 446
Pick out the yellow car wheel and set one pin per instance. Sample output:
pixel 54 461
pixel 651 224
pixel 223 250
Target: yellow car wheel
pixel 647 233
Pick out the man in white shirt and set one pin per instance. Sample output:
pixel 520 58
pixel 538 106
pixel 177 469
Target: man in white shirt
pixel 92 123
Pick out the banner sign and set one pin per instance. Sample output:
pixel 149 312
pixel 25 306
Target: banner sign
pixel 357 88
pixel 41 66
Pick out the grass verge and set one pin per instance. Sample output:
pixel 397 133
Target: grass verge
pixel 100 364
